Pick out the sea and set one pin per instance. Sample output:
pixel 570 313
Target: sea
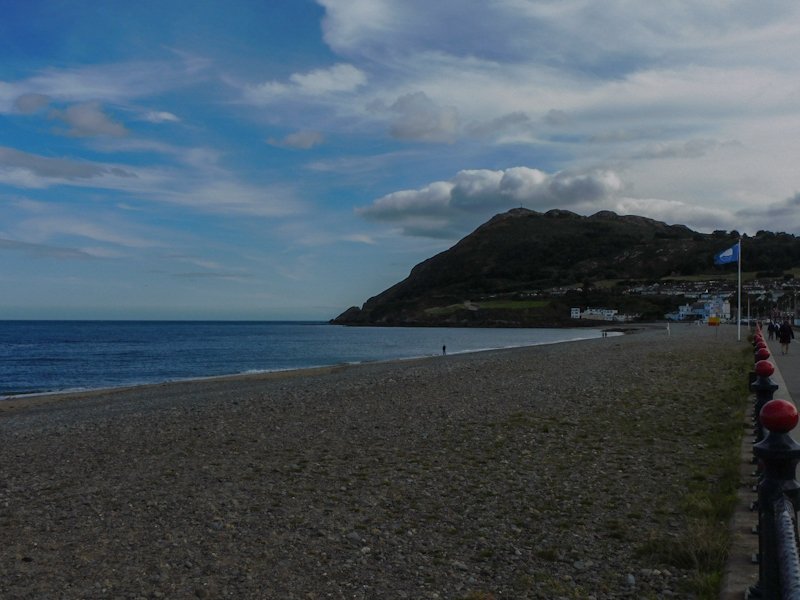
pixel 53 356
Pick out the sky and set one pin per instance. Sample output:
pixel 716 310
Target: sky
pixel 288 159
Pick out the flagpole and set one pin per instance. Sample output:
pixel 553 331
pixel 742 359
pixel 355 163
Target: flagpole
pixel 728 256
pixel 739 320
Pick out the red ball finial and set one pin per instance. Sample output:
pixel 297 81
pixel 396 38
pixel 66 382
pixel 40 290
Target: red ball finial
pixel 779 416
pixel 762 354
pixel 764 368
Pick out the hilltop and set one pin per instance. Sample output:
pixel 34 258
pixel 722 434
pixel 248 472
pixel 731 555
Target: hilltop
pixel 521 267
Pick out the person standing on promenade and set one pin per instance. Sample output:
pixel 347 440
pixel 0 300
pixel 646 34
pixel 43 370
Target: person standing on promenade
pixel 785 335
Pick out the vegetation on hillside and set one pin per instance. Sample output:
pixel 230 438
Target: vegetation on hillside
pixel 514 269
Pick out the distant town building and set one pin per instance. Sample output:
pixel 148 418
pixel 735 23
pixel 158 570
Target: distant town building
pixel 707 306
pixel 600 314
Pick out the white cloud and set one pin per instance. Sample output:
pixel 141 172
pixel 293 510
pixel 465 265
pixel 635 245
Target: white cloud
pixel 161 116
pixel 557 117
pixel 517 182
pixel 200 157
pixel 43 250
pixel 349 165
pixel 419 118
pixel 449 206
pixel 114 82
pixel 40 171
pixel 88 119
pixel 511 122
pixel 477 190
pixel 233 198
pixel 573 65
pixel 347 24
pixel 338 79
pixel 44 229
pixel 452 208
pixel 308 235
pixel 431 200
pixel 301 140
pixel 205 275
pixel 567 34
pixel 360 238
pixel 690 149
pixel 783 215
pixel 29 206
pixel 201 186
pixel 31 103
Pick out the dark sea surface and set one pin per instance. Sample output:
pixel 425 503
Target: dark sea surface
pixel 48 356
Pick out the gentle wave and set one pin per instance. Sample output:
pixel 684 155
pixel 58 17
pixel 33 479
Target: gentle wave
pixel 55 356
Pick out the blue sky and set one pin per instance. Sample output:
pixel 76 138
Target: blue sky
pixel 291 158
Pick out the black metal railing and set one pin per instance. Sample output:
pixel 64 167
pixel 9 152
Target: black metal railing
pixel 777 455
pixel 786 540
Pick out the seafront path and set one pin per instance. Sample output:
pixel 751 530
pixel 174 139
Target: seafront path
pixel 788 367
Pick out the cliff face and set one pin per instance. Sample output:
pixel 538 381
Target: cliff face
pixel 520 252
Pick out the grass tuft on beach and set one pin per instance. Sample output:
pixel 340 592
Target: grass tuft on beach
pixel 702 544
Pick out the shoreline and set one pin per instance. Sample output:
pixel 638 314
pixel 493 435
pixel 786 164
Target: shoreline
pixel 24 399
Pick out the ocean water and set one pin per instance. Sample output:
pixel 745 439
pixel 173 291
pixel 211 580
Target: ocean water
pixel 49 356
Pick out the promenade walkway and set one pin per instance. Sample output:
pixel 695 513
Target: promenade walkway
pixel 788 367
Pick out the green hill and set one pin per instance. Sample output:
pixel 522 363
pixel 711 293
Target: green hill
pixel 506 271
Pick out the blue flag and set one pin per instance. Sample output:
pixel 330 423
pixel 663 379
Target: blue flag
pixel 727 256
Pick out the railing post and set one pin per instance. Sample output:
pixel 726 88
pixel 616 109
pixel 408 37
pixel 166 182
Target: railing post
pixel 787 550
pixel 779 454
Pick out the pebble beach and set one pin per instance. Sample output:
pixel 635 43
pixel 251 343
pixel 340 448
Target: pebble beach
pixel 535 472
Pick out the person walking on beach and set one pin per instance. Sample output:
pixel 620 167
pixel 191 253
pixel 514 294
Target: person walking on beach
pixel 785 335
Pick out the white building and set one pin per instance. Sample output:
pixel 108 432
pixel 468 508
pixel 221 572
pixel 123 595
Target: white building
pixel 709 306
pixel 600 314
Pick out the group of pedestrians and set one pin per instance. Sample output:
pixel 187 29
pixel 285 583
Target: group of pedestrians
pixel 783 332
